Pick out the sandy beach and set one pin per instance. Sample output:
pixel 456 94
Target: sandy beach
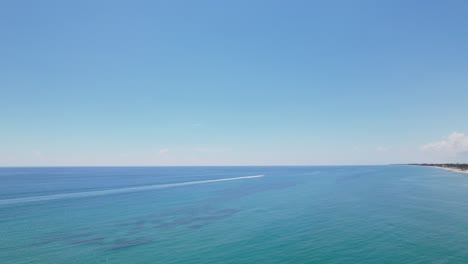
pixel 451 169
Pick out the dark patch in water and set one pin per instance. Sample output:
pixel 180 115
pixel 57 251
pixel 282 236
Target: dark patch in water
pixel 194 220
pixel 93 239
pixel 138 228
pixel 155 222
pixel 90 241
pixel 140 222
pixel 135 231
pixel 125 243
pixel 196 226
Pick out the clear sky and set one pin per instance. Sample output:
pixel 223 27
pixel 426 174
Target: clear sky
pixel 233 82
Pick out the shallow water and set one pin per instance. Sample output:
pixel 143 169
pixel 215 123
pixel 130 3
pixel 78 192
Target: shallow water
pixel 358 214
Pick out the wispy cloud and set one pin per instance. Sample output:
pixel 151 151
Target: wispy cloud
pixel 381 149
pixel 356 148
pixel 455 143
pixel 37 154
pixel 163 151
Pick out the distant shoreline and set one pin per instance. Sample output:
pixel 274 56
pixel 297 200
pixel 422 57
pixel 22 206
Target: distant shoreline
pixel 461 168
pixel 452 169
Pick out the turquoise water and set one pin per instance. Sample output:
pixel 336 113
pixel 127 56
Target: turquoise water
pixel 358 214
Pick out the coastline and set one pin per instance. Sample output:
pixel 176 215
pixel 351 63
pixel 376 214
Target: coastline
pixel 451 169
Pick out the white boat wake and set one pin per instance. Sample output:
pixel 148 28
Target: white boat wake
pixel 116 191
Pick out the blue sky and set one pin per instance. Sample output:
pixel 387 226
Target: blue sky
pixel 233 82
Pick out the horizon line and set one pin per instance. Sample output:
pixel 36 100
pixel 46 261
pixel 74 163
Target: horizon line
pixel 139 166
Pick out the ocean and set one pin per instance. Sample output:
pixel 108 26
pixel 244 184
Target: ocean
pixel 298 214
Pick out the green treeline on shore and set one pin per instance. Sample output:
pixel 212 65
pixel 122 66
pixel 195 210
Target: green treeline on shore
pixel 459 166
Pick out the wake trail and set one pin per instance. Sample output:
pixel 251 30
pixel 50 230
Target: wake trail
pixel 116 191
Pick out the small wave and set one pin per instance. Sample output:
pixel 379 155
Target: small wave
pixel 116 191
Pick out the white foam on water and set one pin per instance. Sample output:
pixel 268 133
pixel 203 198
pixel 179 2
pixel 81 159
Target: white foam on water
pixel 116 191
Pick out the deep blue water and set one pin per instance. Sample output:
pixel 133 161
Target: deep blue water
pixel 342 214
